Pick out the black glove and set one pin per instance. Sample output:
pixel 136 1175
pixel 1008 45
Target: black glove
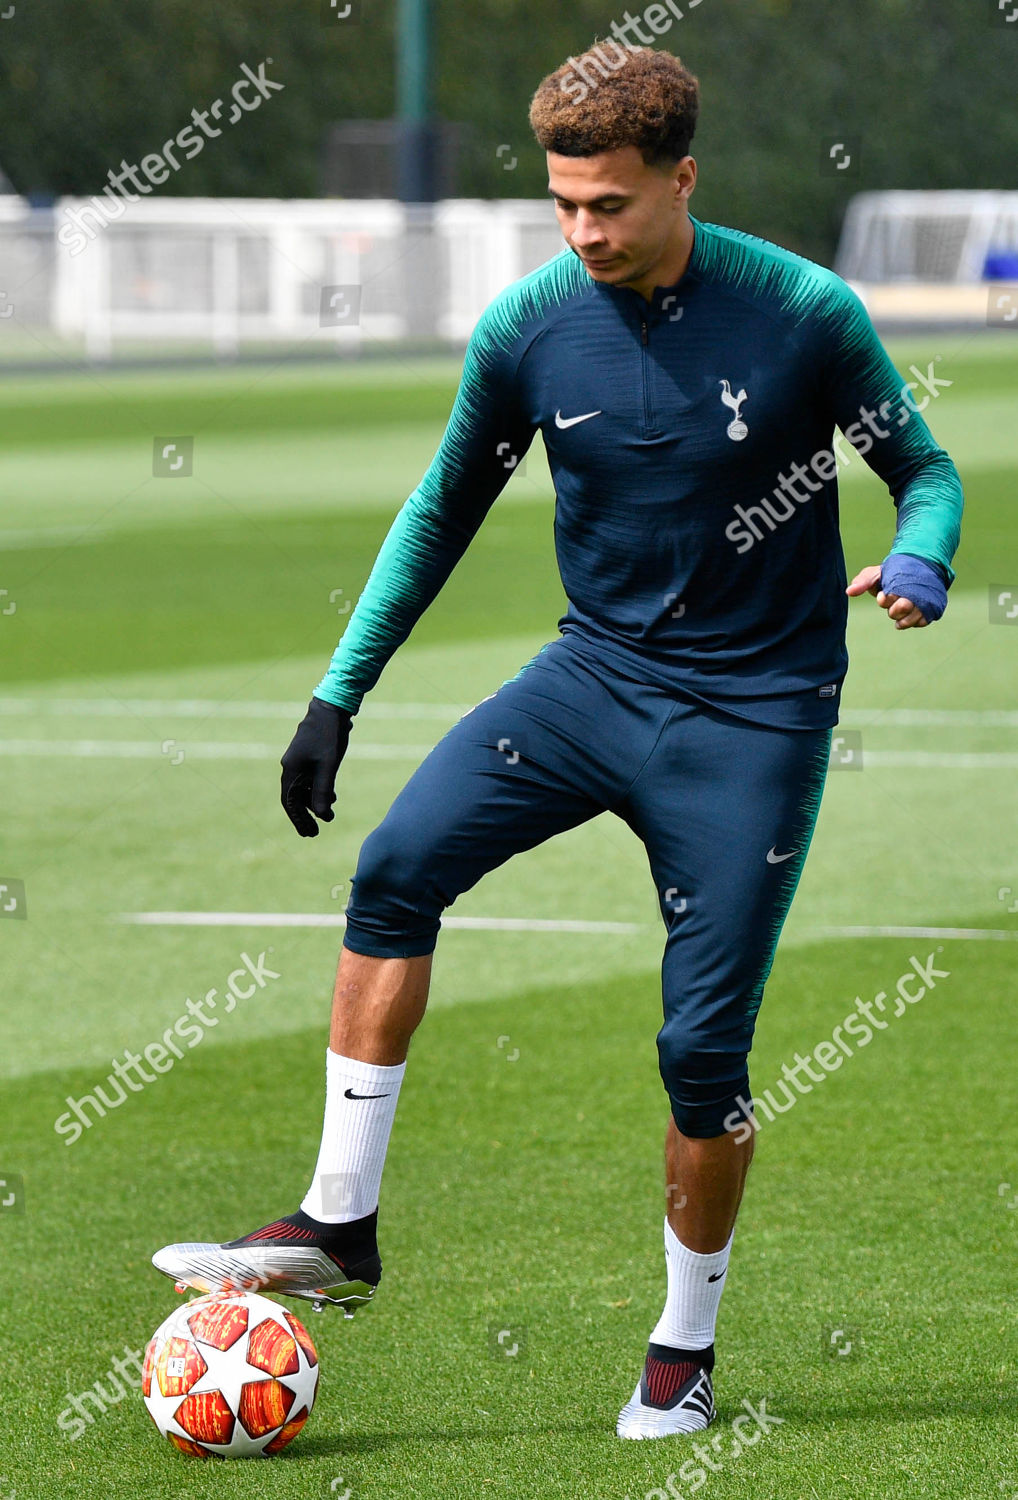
pixel 310 764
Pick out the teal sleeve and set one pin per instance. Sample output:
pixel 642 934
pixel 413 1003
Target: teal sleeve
pixel 486 437
pixel 868 398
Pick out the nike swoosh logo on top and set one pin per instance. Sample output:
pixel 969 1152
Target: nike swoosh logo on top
pixel 349 1094
pixel 716 1277
pixel 774 858
pixel 561 421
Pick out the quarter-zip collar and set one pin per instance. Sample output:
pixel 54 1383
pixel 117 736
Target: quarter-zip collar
pixel 664 300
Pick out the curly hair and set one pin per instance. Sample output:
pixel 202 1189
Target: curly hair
pixel 603 100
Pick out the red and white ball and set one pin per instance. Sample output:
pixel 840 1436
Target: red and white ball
pixel 231 1375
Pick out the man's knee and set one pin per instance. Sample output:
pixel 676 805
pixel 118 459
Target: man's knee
pixel 395 906
pixel 708 1088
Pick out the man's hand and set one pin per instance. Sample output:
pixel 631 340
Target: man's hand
pixel 925 600
pixel 902 611
pixel 310 765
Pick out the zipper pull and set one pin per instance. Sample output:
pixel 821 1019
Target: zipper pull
pixel 643 331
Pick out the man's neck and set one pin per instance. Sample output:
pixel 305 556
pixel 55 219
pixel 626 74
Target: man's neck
pixel 671 267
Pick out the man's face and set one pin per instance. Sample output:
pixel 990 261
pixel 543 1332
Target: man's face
pixel 619 215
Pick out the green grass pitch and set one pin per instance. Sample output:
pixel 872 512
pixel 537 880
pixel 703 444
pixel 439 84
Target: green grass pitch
pixel 158 640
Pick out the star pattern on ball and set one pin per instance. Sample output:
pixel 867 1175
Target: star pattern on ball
pixel 288 1396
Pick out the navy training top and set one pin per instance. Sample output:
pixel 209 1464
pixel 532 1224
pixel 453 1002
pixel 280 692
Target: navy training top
pixel 691 443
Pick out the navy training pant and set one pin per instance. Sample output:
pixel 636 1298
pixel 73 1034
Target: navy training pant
pixel 725 808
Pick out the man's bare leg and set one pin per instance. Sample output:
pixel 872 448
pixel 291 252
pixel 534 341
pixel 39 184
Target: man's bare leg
pixel 377 1006
pixel 327 1250
pixel 705 1179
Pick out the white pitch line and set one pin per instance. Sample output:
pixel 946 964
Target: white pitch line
pixel 330 919
pixel 999 935
pixel 945 760
pixel 930 718
pixel 203 708
pixel 182 750
pixel 534 924
pixel 53 536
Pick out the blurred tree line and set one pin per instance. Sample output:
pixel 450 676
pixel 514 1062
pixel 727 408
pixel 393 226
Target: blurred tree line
pixel 923 90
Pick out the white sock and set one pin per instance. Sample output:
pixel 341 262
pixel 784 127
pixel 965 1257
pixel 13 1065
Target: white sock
pixel 695 1284
pixel 355 1138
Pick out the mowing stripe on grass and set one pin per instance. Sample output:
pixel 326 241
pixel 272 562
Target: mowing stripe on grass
pixel 199 708
pixel 176 751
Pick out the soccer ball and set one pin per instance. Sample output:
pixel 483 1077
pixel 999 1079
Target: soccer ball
pixel 234 1375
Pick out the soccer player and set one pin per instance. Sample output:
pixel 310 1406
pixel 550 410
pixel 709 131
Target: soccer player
pixel 687 380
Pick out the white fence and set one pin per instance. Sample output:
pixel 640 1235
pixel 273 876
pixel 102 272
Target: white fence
pixel 350 273
pixel 235 271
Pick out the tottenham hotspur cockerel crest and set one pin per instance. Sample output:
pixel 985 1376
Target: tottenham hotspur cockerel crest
pixel 736 429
